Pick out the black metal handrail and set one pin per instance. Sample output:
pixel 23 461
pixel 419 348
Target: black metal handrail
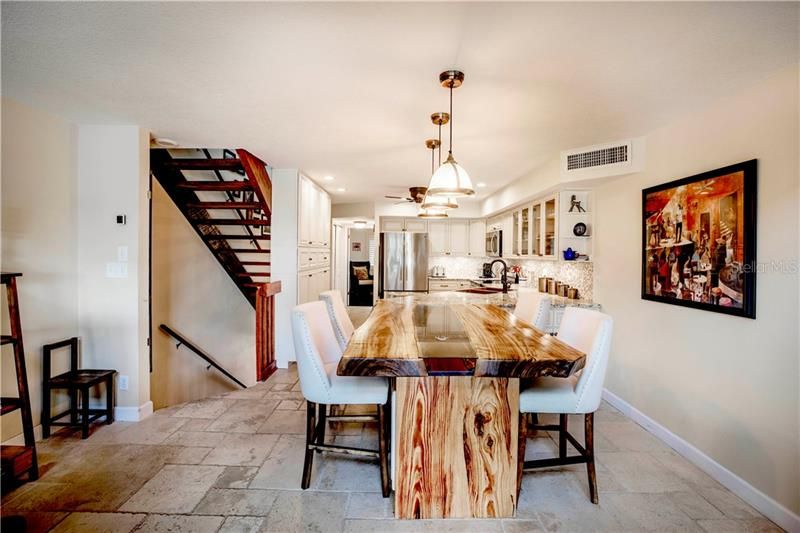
pixel 181 340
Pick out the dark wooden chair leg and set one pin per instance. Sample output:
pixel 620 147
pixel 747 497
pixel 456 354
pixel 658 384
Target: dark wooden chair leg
pixel 589 433
pixel 384 417
pixel 45 411
pixel 562 436
pixel 523 443
pixel 311 419
pixel 73 406
pixel 110 400
pixel 322 424
pixel 85 413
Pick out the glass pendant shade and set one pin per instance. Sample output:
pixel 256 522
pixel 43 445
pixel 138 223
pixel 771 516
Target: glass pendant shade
pixel 432 213
pixel 438 202
pixel 451 180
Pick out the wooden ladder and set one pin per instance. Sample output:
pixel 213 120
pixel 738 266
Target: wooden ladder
pixel 18 460
pixel 228 202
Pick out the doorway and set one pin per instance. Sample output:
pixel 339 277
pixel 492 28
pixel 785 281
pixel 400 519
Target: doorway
pixel 354 261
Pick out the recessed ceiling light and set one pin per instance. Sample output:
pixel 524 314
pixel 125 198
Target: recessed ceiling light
pixel 481 184
pixel 341 189
pixel 328 178
pixel 166 143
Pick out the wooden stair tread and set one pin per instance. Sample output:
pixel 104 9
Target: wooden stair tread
pixel 232 222
pixel 204 164
pixel 213 237
pixel 255 206
pixel 243 250
pixel 7 339
pixel 16 460
pixel 9 404
pixel 215 186
pixel 251 274
pixel 254 263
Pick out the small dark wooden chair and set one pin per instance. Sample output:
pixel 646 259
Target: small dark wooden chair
pixel 75 381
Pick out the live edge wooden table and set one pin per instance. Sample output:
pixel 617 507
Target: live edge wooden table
pixel 457 363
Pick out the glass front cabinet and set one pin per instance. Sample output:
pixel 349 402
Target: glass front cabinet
pixel 535 229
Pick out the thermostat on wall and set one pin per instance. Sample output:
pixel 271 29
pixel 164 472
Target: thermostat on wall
pixel 122 219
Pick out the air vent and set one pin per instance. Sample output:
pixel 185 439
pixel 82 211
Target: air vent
pixel 602 160
pixel 595 158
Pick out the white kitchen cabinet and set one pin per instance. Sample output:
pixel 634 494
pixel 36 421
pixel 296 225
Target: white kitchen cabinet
pixel 439 237
pixel 392 224
pixel 313 214
pixel 477 238
pixel 459 237
pixel 416 225
pixel 311 283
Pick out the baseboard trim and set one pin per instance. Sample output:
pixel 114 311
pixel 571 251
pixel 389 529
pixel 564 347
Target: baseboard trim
pixel 133 414
pixel 772 509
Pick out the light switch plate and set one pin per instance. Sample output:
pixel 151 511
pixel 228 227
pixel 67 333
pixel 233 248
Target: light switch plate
pixel 116 270
pixel 123 383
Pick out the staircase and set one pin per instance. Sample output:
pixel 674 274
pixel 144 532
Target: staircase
pixel 226 195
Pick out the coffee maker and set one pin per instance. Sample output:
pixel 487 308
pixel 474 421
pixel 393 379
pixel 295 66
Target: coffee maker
pixel 487 271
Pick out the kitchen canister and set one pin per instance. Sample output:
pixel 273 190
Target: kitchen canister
pixel 572 293
pixel 543 284
pixel 551 286
pixel 562 289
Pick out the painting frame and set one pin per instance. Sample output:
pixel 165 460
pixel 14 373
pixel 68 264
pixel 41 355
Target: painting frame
pixel 744 267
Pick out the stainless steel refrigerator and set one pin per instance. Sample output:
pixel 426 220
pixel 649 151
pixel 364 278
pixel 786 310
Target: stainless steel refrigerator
pixel 403 263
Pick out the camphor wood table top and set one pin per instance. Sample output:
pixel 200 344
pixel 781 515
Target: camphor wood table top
pixel 407 337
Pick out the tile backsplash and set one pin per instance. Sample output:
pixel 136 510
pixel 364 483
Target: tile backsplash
pixel 577 274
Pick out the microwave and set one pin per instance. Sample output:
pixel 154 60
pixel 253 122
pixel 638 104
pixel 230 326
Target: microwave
pixel 494 243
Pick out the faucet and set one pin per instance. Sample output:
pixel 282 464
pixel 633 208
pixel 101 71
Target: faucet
pixel 503 276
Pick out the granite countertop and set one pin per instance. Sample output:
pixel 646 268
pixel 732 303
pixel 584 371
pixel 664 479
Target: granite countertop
pixel 508 300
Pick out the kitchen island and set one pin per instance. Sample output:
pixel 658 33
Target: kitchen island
pixel 456 360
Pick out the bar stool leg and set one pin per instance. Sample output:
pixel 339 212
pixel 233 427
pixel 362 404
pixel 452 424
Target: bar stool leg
pixel 311 415
pixel 322 424
pixel 589 433
pixel 85 413
pixel 110 400
pixel 384 415
pixel 562 436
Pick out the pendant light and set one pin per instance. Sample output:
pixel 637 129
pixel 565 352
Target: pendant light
pixel 434 207
pixel 432 212
pixel 437 202
pixel 450 179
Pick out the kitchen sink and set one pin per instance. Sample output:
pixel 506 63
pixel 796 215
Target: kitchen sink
pixel 482 290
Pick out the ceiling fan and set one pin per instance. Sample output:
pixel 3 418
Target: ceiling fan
pixel 416 195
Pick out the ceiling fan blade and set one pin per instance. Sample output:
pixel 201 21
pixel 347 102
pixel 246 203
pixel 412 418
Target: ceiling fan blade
pixel 395 197
pixel 400 202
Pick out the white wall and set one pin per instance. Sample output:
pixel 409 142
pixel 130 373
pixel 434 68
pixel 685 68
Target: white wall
pixel 362 236
pixel 39 239
pixel 113 169
pixel 727 385
pixel 284 259
pixel 193 295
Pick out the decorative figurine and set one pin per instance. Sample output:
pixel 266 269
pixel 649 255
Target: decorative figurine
pixel 574 203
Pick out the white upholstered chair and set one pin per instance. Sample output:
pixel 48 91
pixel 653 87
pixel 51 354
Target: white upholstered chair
pixel 590 332
pixel 533 307
pixel 318 352
pixel 342 325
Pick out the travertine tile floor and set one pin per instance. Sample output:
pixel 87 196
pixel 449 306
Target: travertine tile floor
pixel 233 464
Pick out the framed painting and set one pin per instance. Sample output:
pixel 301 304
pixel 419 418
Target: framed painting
pixel 699 241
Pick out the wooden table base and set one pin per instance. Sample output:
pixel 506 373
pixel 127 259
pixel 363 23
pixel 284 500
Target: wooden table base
pixel 457 445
